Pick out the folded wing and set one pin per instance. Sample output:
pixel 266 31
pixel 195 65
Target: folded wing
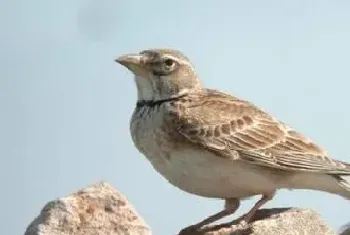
pixel 236 129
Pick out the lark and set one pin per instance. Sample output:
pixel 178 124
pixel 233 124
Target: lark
pixel 215 145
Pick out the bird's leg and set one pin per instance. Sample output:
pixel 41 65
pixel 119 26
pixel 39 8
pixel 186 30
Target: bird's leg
pixel 231 205
pixel 247 218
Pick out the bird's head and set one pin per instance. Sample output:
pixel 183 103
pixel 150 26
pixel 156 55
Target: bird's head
pixel 161 73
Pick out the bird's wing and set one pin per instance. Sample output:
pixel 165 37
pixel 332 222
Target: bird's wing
pixel 237 129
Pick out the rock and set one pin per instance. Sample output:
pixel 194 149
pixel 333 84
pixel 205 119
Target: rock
pixel 345 230
pixel 96 210
pixel 102 210
pixel 277 221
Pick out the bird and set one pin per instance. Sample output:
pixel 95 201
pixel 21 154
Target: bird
pixel 215 145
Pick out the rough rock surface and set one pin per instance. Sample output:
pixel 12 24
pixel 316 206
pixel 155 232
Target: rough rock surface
pixel 102 210
pixel 277 221
pixel 345 230
pixel 96 210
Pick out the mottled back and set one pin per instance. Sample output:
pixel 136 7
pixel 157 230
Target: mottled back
pixel 237 129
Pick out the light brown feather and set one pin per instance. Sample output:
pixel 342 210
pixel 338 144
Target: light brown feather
pixel 231 127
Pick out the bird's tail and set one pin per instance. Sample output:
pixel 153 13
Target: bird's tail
pixel 334 183
pixel 343 180
pixel 344 185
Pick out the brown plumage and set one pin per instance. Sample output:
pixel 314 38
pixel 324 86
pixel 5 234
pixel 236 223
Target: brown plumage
pixel 233 128
pixel 212 144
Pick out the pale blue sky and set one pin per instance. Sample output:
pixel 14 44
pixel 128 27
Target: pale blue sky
pixel 65 105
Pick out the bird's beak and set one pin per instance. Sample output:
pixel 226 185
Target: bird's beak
pixel 129 59
pixel 134 62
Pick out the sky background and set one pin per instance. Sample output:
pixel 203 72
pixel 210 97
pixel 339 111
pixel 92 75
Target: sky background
pixel 65 104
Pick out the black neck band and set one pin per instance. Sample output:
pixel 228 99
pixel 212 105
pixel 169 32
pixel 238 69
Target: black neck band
pixel 152 103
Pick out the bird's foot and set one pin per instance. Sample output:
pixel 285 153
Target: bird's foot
pixel 239 223
pixel 231 205
pixel 190 230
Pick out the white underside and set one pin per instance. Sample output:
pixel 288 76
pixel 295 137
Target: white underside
pixel 208 175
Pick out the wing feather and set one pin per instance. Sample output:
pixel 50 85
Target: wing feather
pixel 231 127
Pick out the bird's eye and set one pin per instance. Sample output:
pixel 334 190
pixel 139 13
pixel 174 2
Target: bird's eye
pixel 169 62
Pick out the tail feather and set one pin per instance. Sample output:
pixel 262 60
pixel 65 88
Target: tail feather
pixel 345 168
pixel 344 183
pixel 334 184
pixel 343 180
